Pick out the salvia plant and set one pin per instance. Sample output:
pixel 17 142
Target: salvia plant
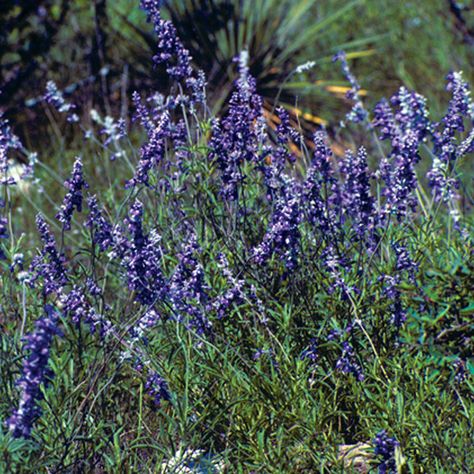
pixel 213 301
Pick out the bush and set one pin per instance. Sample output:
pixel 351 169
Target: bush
pixel 226 297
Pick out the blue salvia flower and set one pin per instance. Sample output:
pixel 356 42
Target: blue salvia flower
pixel 411 114
pixel 311 352
pixel 276 156
pixel 404 261
pixel 198 86
pixel 142 114
pixel 406 128
pixel 142 259
pixel 400 177
pixel 460 106
pixel 188 290
pixel 446 148
pixel 171 51
pixel 358 112
pixel 18 260
pixel 357 202
pixel 100 227
pixel 175 57
pixel 8 141
pixel 466 146
pixel 138 332
pixel 92 287
pixel 235 293
pixel 35 373
pixel 73 199
pixel 283 235
pixel 384 120
pixel 335 265
pixel 385 448
pixel 319 186
pixel 397 312
pixel 235 140
pixel 157 387
pixel 444 185
pixel 55 97
pixel 49 265
pixel 76 307
pixel 3 234
pixel 153 151
pixel 347 362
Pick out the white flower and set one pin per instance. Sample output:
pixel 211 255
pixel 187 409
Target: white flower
pixel 305 67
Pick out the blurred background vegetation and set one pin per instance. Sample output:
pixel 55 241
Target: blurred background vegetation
pixel 98 51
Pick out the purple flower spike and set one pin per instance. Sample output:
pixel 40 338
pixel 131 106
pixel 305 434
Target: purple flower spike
pixel 171 51
pixel 283 234
pixel 73 198
pixel 188 289
pixel 99 225
pixel 142 259
pixel 35 373
pixel 236 139
pixel 357 201
pixel 358 112
pixel 55 97
pixel 49 265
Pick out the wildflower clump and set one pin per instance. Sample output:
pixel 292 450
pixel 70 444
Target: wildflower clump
pixel 233 290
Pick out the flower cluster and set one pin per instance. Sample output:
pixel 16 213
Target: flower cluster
pixel 405 127
pixel 318 186
pixel 142 259
pixel 56 98
pixel 157 388
pixel 283 233
pixel 35 373
pixel 311 352
pixel 235 139
pixel 356 200
pixel 73 198
pixel 358 112
pixel 347 362
pixel 235 293
pixel 153 151
pixel 8 141
pixel 447 150
pixel 138 332
pixel 188 290
pixel 101 228
pixel 49 265
pixel 170 49
pixel 174 56
pixel 385 449
pixel 77 307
